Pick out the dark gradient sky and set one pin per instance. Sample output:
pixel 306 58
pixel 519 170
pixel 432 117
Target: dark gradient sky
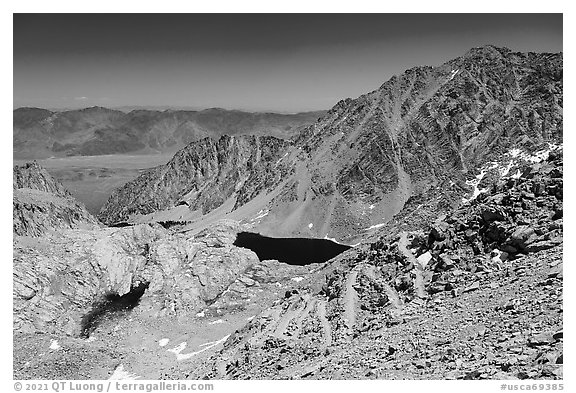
pixel 289 62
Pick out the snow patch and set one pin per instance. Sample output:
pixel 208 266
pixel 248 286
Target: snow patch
pixel 310 225
pixel 281 158
pixel 375 226
pixel 424 259
pixel 206 346
pixel 538 156
pixel 505 171
pixel 261 213
pixel 474 183
pixel 179 348
pixel 515 152
pixel 453 74
pixel 516 155
pixel 332 239
pixel 120 373
pixel 201 314
pixel 499 256
pixel 54 345
pixel 216 322
pixel 297 279
pixel 163 342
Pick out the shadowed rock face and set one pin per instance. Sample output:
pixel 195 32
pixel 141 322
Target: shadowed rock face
pixel 360 164
pixel 294 251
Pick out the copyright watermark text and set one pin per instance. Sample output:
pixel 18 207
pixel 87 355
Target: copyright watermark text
pixel 114 386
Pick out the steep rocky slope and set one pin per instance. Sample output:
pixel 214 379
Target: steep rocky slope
pixel 40 203
pixel 33 176
pixel 73 270
pixel 202 176
pixel 358 166
pixel 41 133
pixel 476 295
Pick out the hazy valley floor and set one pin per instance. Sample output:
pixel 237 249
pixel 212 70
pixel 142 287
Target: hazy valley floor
pixel 91 179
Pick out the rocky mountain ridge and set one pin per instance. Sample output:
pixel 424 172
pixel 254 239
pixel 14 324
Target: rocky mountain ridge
pixel 355 168
pixel 202 177
pixel 33 176
pixel 40 203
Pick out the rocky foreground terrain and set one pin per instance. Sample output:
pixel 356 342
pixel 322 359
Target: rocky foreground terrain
pixel 447 181
pixel 476 295
pixel 87 303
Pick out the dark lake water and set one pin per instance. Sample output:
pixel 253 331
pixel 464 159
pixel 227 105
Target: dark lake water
pixel 293 251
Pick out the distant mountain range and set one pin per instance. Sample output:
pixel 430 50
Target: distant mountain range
pixel 41 133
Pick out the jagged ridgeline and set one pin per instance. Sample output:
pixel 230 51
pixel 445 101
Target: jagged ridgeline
pixel 203 176
pixel 359 165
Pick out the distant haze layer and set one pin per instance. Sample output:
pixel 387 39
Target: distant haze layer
pixel 40 133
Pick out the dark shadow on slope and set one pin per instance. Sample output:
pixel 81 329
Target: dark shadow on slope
pixel 120 225
pixel 170 224
pixel 293 251
pixel 111 305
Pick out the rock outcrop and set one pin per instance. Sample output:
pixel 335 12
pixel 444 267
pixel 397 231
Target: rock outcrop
pixel 59 280
pixel 357 167
pixel 41 203
pixel 33 176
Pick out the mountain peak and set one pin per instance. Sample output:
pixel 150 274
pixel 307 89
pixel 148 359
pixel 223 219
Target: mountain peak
pixel 488 50
pixel 369 156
